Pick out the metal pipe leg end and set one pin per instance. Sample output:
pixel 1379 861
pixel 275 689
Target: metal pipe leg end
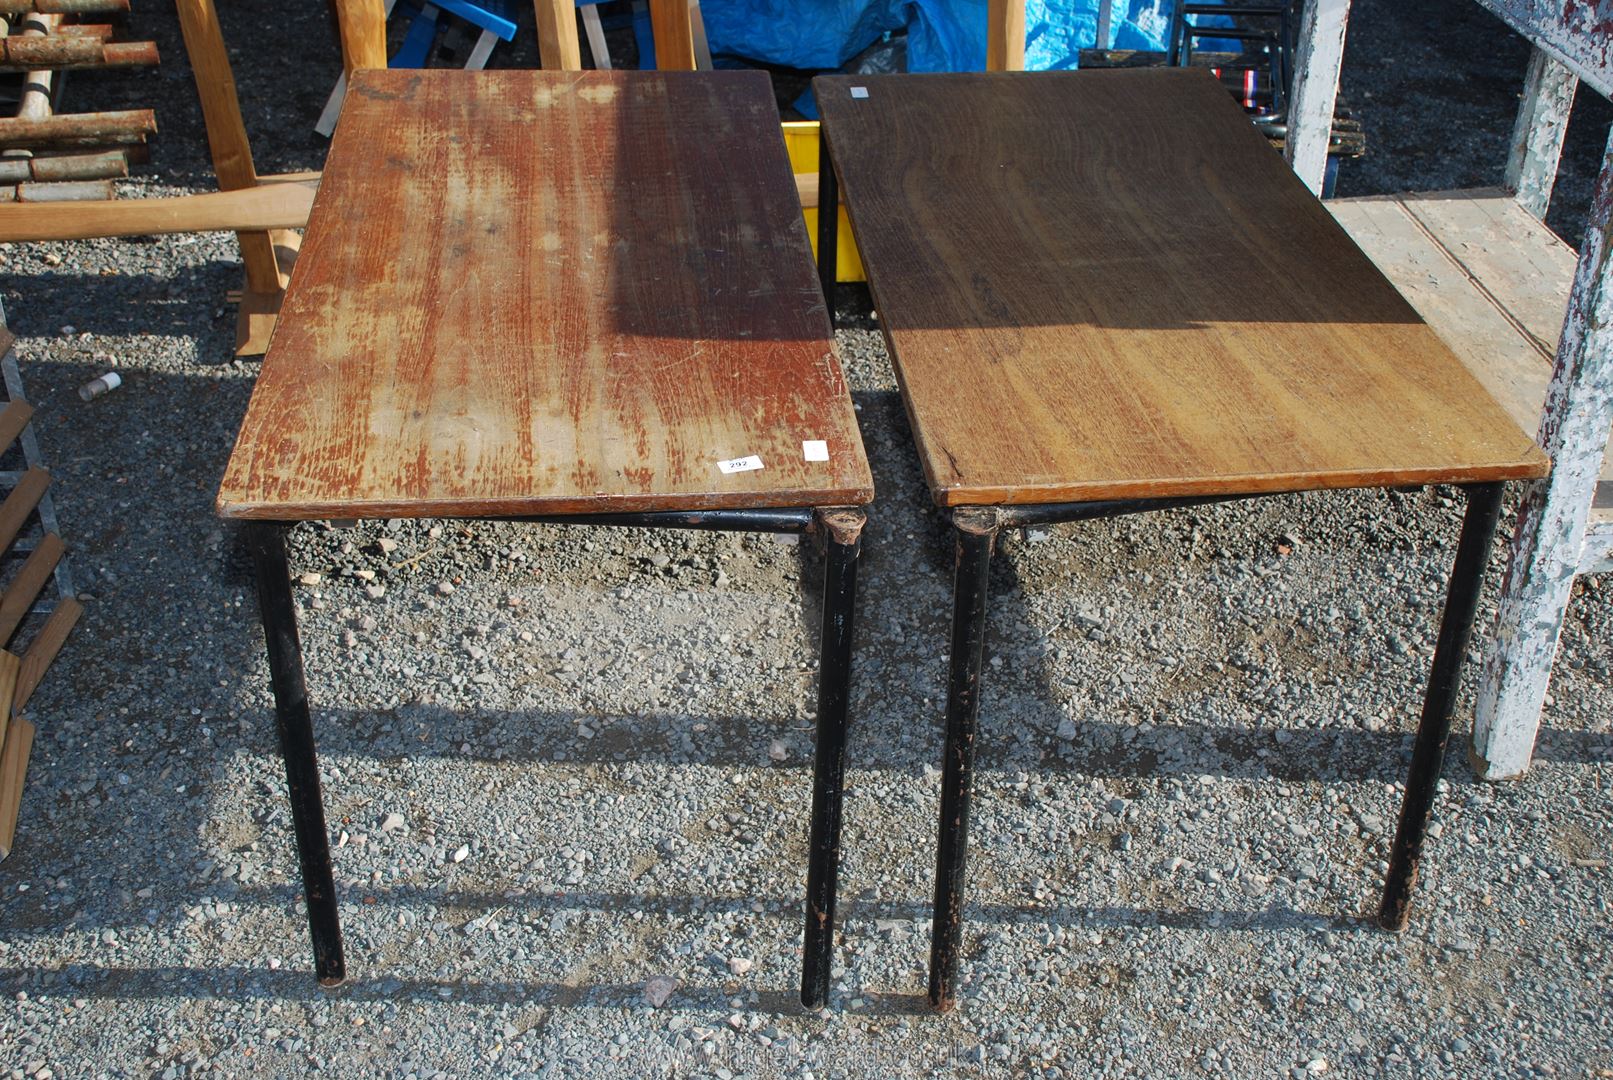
pixel 841 532
pixel 1444 681
pixel 976 533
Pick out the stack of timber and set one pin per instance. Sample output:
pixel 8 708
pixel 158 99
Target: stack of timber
pixel 46 156
pixel 32 557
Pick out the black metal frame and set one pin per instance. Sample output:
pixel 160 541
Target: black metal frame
pixel 838 529
pixel 976 529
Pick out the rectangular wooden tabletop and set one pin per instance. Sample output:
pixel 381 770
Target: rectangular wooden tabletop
pixel 528 292
pixel 1106 284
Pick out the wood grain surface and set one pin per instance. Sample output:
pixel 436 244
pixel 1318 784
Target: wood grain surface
pixel 549 292
pixel 1105 284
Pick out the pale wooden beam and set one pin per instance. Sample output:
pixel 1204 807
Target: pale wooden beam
pixel 264 208
pixel 1005 35
pixel 266 276
pixel 1316 87
pixel 674 35
pixel 558 48
pixel 362 24
pixel 1548 547
pixel 1537 134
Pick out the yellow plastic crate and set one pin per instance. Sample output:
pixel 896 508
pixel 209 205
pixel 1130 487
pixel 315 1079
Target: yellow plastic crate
pixel 801 140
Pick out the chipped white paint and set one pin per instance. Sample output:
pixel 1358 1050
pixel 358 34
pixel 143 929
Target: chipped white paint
pixel 1577 33
pixel 1550 538
pixel 1597 555
pixel 1537 135
pixel 1316 85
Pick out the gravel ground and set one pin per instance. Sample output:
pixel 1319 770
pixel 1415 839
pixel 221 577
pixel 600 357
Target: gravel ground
pixel 562 764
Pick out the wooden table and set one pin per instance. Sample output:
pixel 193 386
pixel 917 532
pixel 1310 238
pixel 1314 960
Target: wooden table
pixel 578 297
pixel 1105 294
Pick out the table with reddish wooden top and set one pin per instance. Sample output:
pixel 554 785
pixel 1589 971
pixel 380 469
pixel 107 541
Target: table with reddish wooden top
pixel 1103 294
pixel 575 297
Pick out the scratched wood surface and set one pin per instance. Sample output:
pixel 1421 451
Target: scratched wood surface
pixel 549 292
pixel 1105 284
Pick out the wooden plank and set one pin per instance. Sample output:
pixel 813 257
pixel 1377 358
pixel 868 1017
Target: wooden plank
pixel 1511 255
pixel 14 418
pixel 10 674
pixel 19 504
pixel 1509 363
pixel 1104 285
pixel 1537 133
pixel 558 48
pixel 1316 87
pixel 427 363
pixel 266 207
pixel 42 651
pixel 13 771
pixel 59 52
pixel 1490 279
pixel 674 35
pixel 226 132
pixel 79 129
pixel 362 26
pixel 63 7
pixel 1576 33
pixel 24 589
pixel 1005 35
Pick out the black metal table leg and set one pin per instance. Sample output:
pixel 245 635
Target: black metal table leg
pixel 842 532
pixel 976 534
pixel 828 221
pixel 1456 627
pixel 268 545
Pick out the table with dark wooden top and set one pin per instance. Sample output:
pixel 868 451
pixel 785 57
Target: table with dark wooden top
pixel 1105 294
pixel 573 297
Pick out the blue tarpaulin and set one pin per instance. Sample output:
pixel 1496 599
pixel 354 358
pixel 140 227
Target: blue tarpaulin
pixel 942 35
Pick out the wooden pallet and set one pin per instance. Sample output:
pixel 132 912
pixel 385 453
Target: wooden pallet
pixel 34 624
pixel 1489 277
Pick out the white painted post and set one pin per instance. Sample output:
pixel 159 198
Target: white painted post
pixel 1550 537
pixel 1537 135
pixel 1106 14
pixel 1316 85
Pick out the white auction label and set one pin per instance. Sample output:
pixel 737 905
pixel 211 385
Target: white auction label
pixel 743 464
pixel 815 449
pixel 859 91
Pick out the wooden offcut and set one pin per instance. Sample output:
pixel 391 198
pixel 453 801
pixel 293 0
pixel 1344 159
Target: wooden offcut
pixel 673 30
pixel 10 674
pixel 19 504
pixel 122 127
pixel 1103 285
pixel 538 292
pixel 64 7
pixel 558 48
pixel 62 51
pixel 13 770
pixel 268 207
pixel 19 596
pixel 266 272
pixel 42 650
pixel 15 416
